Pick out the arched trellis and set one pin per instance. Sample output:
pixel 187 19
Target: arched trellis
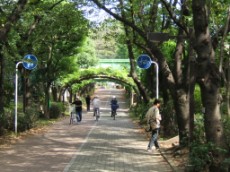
pixel 98 76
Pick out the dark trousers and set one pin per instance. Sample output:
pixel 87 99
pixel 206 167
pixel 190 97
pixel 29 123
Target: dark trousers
pixel 79 113
pixel 88 107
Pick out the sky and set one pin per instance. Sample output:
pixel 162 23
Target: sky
pixel 95 15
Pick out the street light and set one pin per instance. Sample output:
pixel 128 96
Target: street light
pixel 144 62
pixel 157 79
pixel 16 97
pixel 29 62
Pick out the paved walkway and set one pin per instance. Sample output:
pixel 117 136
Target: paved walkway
pixel 115 146
pixel 104 146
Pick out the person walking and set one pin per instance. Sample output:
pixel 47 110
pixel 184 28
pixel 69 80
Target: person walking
pixel 87 100
pixel 78 107
pixel 153 120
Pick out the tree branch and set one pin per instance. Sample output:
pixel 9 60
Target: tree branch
pixel 116 16
pixel 173 16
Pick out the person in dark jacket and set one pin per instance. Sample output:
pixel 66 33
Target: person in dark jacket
pixel 114 104
pixel 78 106
pixel 87 100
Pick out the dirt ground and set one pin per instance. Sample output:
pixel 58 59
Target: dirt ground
pixel 176 157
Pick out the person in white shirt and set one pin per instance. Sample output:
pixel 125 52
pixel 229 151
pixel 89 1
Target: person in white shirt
pixel 96 104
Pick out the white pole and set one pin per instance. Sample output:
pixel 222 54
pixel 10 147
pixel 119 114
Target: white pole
pixel 16 97
pixel 157 79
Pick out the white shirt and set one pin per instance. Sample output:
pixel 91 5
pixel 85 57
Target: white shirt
pixel 96 103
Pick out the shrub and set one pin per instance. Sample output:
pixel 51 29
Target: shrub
pixel 201 153
pixel 56 110
pixel 6 120
pixel 3 125
pixel 201 156
pixel 25 120
pixel 28 119
pixel 139 111
pixel 32 114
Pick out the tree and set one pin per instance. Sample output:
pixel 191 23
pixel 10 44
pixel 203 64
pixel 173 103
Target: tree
pixel 109 40
pixel 55 40
pixel 53 32
pixel 87 54
pixel 10 18
pixel 209 79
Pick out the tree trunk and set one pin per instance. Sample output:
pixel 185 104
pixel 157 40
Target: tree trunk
pixel 178 87
pixel 70 95
pixel 209 80
pixel 1 83
pixel 54 93
pixel 47 100
pixel 191 81
pixel 25 92
pixel 228 87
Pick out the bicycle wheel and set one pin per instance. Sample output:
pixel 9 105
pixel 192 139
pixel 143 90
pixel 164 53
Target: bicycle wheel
pixel 114 115
pixel 97 114
pixel 71 119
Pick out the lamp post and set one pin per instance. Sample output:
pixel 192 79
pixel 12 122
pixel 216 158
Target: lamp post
pixel 29 62
pixel 157 79
pixel 16 97
pixel 144 62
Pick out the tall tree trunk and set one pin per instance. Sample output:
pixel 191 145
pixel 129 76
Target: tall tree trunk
pixel 25 93
pixel 185 84
pixel 47 100
pixel 70 95
pixel 228 87
pixel 209 80
pixel 178 86
pixel 191 81
pixel 2 82
pixel 54 93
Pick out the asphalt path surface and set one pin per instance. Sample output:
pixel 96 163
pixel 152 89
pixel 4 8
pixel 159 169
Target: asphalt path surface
pixel 106 145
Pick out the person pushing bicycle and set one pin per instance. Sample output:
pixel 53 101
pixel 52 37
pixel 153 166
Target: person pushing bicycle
pixel 78 108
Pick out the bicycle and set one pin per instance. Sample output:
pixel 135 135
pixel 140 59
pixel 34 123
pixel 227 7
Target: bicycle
pixel 114 113
pixel 73 115
pixel 114 108
pixel 96 113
